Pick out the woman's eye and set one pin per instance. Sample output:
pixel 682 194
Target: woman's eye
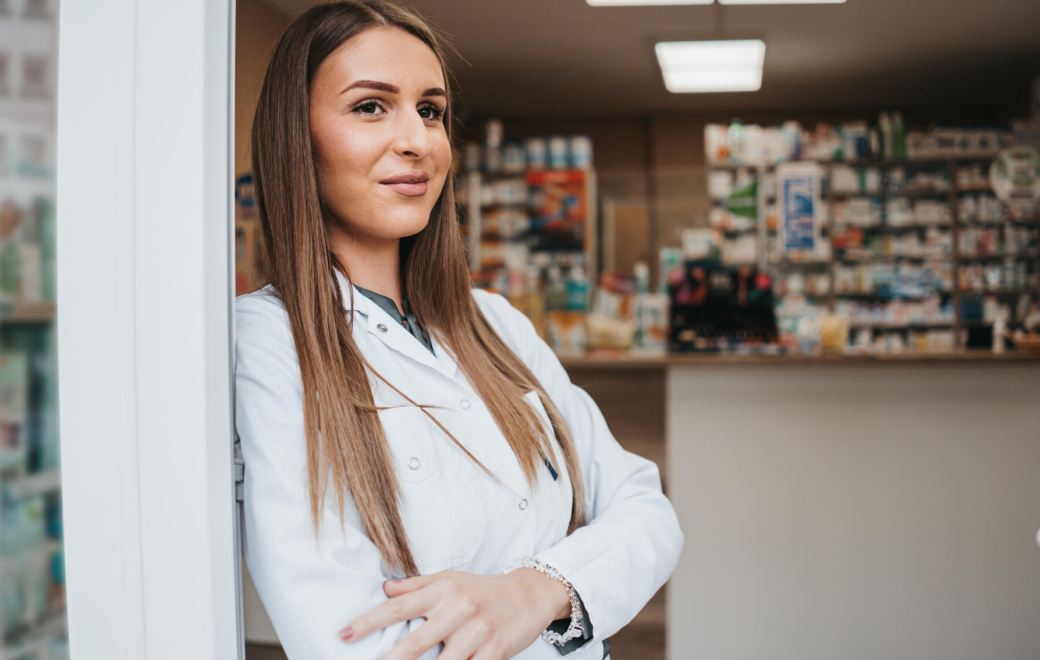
pixel 435 112
pixel 366 106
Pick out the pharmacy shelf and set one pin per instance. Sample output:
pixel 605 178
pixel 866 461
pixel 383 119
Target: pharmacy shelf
pixel 946 192
pixel 842 195
pixel 908 227
pixel 911 193
pixel 880 325
pixel 797 263
pixel 1016 256
pixel 37 639
pixel 39 483
pixel 475 182
pixel 999 292
pixel 892 257
pixel 519 206
pixel 39 312
pixel 865 162
pixel 624 360
pixel 1000 221
pixel 878 295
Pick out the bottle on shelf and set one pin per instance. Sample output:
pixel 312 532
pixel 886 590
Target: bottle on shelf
pixel 642 274
pixel 885 126
pixel 577 289
pixel 735 140
pixel 999 327
pixel 898 135
pixel 555 290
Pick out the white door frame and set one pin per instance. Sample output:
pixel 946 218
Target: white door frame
pixel 144 325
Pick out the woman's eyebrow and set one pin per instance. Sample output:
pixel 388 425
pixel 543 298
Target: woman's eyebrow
pixel 387 87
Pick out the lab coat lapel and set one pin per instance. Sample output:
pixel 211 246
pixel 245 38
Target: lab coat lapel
pixel 396 336
pixel 448 365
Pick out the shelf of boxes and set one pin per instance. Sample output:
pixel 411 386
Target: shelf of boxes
pixel 999 255
pixel 531 227
pixel 39 641
pixel 38 483
pixel 35 312
pixel 912 236
pixel 32 618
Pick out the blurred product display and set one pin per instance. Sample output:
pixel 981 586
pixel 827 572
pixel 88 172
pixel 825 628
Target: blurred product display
pixel 900 239
pixel 528 209
pixel 911 230
pixel 32 580
pixel 247 235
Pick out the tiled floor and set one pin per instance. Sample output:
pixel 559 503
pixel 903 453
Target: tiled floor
pixel 643 639
pixel 632 402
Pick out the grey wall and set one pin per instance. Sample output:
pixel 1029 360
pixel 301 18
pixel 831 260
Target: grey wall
pixel 855 511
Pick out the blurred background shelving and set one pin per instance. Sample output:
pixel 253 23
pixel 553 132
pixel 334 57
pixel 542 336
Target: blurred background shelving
pixel 33 624
pixel 916 253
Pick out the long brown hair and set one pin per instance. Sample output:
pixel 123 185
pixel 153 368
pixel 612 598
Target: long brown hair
pixel 345 439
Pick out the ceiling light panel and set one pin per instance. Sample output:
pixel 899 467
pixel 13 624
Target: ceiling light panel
pixel 711 66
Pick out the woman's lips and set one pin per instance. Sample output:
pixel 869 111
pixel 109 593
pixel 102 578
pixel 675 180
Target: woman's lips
pixel 408 189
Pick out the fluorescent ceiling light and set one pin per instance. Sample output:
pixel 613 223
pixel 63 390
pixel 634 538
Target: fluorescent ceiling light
pixel 781 2
pixel 711 66
pixel 634 3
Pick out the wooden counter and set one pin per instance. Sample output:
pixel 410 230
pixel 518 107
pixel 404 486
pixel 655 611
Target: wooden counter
pixel 635 361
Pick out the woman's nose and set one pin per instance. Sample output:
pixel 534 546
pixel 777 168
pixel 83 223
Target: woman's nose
pixel 413 137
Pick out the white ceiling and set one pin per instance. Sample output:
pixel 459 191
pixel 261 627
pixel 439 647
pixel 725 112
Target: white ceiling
pixel 563 57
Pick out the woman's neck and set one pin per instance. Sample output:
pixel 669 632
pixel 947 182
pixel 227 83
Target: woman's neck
pixel 373 264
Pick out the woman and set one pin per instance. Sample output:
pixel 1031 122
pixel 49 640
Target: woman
pixel 396 423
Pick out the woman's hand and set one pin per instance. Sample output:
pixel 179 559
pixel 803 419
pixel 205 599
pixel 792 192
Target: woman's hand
pixel 483 617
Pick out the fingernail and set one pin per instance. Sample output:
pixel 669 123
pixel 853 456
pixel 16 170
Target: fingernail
pixel 346 633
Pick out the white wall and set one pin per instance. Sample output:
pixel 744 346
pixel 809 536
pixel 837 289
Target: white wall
pixel 144 329
pixel 855 511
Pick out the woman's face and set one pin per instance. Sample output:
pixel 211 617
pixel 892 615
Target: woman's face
pixel 376 112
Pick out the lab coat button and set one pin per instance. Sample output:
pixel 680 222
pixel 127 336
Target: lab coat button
pixel 523 504
pixel 382 327
pixel 465 404
pixel 413 463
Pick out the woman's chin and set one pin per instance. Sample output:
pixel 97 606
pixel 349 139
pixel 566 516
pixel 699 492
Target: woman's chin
pixel 408 227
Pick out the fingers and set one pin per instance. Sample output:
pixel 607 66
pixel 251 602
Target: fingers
pixel 422 639
pixel 488 652
pixel 452 618
pixel 465 642
pixel 397 587
pixel 444 626
pixel 401 608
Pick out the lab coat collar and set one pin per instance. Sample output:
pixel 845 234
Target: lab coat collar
pixel 396 336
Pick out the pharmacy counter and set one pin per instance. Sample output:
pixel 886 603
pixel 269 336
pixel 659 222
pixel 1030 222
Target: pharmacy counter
pixel 850 507
pixel 660 361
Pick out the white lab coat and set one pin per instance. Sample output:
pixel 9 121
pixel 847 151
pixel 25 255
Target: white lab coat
pixel 455 516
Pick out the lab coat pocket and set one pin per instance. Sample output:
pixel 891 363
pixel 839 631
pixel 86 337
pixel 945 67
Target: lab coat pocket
pixel 440 507
pixel 557 491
